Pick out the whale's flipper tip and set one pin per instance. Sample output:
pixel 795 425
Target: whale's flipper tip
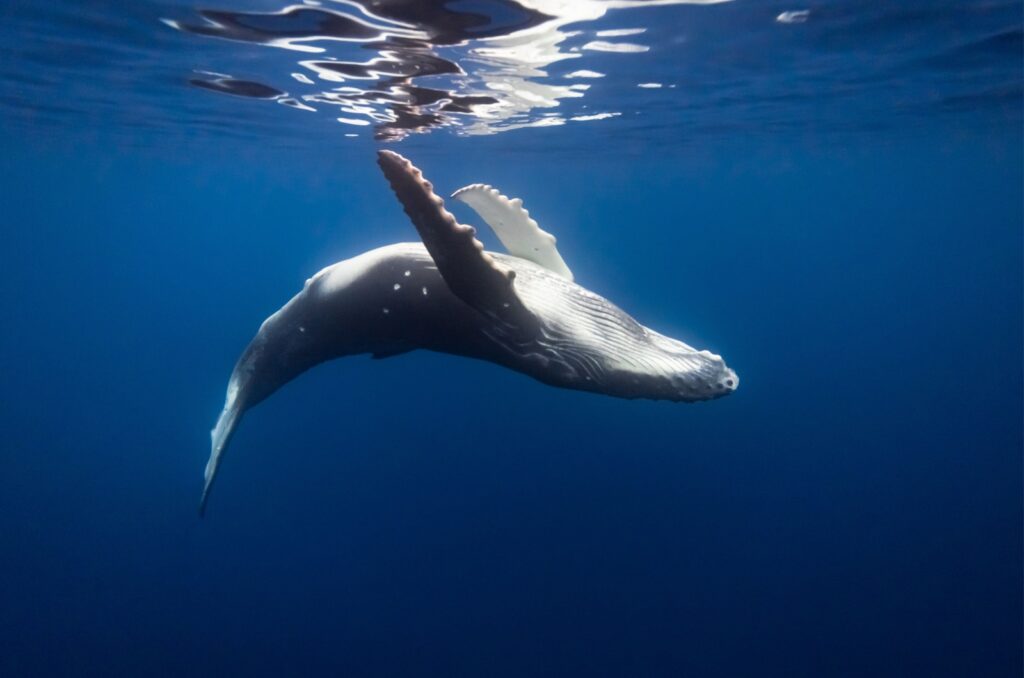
pixel 521 235
pixel 389 161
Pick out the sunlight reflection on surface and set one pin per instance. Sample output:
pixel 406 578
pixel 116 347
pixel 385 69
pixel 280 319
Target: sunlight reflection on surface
pixel 486 61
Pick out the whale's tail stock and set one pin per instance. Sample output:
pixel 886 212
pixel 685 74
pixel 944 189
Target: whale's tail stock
pixel 220 436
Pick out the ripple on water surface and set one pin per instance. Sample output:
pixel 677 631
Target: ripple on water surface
pixel 649 72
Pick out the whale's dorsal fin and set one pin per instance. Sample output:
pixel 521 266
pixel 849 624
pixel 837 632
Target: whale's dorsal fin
pixel 471 274
pixel 516 230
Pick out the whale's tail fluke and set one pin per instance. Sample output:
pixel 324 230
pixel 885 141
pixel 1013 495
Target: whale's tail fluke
pixel 220 436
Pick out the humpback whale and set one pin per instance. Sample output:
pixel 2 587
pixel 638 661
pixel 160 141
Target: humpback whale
pixel 520 310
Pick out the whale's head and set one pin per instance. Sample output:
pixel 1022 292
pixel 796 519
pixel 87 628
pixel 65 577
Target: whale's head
pixel 725 382
pixel 676 371
pixel 701 376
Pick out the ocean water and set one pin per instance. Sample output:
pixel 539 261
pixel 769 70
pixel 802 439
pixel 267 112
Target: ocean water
pixel 827 193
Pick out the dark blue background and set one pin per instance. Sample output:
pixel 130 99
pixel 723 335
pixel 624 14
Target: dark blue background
pixel 835 208
pixel 854 508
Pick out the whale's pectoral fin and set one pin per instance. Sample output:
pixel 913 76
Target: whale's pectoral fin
pixel 471 274
pixel 518 232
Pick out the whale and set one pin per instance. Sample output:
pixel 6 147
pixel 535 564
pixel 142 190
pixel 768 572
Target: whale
pixel 520 309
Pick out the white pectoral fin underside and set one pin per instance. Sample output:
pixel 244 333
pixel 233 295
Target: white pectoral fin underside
pixel 518 232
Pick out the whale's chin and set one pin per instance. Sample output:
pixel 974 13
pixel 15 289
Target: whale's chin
pixel 695 386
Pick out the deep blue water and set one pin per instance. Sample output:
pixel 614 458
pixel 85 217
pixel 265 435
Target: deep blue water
pixel 835 204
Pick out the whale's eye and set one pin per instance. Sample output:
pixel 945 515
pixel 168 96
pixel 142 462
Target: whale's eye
pixel 728 382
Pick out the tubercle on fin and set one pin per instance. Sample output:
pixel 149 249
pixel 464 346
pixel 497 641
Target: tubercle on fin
pixel 470 272
pixel 414 174
pixel 519 232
